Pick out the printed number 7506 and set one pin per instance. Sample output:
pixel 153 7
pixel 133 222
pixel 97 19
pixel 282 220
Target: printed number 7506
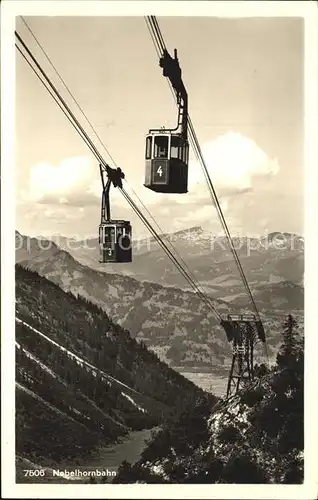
pixel 34 472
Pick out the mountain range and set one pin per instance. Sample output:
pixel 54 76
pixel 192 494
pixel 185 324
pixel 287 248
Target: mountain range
pixel 154 302
pixel 272 258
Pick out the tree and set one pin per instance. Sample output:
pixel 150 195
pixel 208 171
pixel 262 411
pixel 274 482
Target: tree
pixel 124 474
pixel 261 370
pixel 288 354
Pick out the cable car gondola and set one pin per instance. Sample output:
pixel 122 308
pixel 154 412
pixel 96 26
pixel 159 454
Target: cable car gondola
pixel 114 235
pixel 167 151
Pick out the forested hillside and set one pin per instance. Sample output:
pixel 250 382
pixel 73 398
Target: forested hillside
pixel 255 437
pixel 81 379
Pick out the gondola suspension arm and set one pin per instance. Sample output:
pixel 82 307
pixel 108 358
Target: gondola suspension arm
pixel 114 176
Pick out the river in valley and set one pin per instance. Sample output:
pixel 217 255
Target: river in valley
pixel 103 466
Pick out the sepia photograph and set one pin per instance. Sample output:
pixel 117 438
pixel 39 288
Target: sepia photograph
pixel 159 197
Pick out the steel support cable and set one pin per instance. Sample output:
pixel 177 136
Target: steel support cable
pixel 89 143
pixel 196 146
pixel 68 90
pixel 92 147
pixel 198 152
pixel 168 252
pixel 100 140
pixel 190 278
pixel 225 227
pixel 56 92
pixel 222 218
pixel 153 36
pixel 155 25
pixel 170 255
pixel 160 46
pixel 158 42
pixel 98 137
pixel 53 96
pixel 166 239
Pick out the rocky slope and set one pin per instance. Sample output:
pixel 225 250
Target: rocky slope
pixel 255 437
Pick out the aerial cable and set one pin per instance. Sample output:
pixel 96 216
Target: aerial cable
pixel 155 42
pixel 56 92
pixel 68 90
pixel 166 238
pixel 158 42
pixel 168 252
pixel 220 213
pixel 78 127
pixel 151 20
pixel 53 96
pixel 94 150
pixel 160 47
pixel 159 36
pixel 83 113
pixel 101 142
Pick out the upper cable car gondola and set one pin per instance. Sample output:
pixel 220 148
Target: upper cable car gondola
pixel 167 151
pixel 114 235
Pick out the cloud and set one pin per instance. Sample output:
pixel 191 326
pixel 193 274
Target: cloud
pixel 234 162
pixel 74 181
pixel 62 195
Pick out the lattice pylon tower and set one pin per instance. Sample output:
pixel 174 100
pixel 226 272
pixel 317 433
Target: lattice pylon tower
pixel 242 332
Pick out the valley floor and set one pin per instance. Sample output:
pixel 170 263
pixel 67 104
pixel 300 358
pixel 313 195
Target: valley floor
pixel 208 382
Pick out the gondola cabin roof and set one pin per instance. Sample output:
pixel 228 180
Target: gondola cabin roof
pixel 113 222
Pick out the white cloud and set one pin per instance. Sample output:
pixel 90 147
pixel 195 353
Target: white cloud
pixel 71 191
pixel 73 182
pixel 234 162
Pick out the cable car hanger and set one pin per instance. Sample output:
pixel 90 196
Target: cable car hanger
pixel 114 176
pixel 172 70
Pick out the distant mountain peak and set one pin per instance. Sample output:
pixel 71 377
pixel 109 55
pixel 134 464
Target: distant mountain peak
pixel 277 234
pixel 193 230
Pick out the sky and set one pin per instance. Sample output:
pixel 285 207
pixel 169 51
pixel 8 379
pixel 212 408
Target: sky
pixel 244 78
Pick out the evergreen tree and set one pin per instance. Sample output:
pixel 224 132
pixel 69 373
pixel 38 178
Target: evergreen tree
pixel 124 474
pixel 289 352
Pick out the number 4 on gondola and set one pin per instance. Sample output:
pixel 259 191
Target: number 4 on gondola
pixel 160 173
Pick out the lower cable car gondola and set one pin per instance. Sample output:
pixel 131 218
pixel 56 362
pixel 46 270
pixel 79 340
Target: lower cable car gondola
pixel 115 236
pixel 167 151
pixel 115 241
